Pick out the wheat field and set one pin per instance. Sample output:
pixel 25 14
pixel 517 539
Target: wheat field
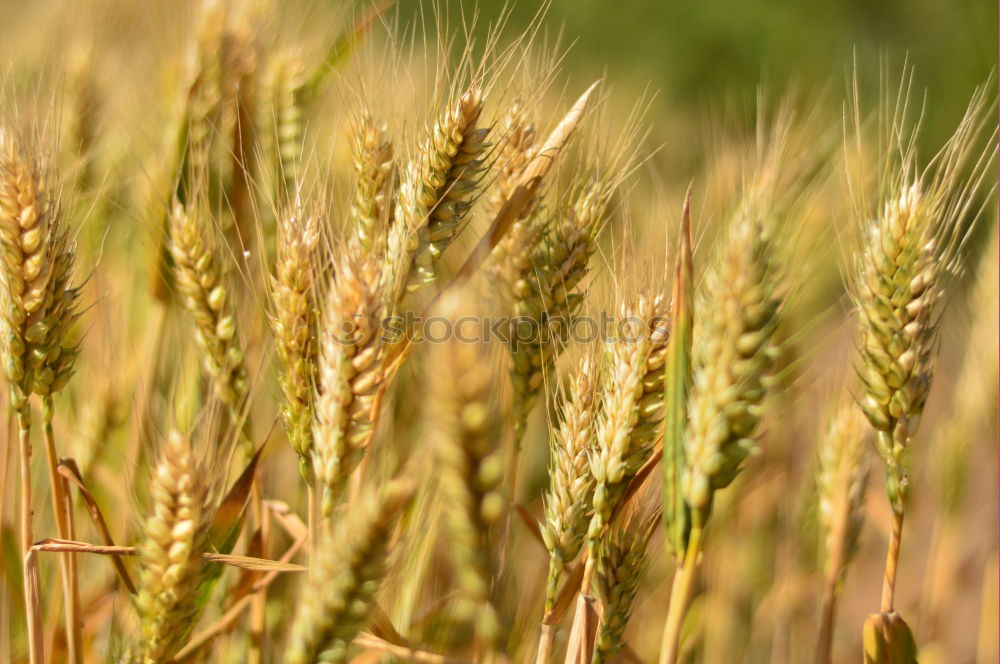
pixel 353 333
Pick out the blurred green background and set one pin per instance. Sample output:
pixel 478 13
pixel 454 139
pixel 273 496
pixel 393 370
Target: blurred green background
pixel 701 55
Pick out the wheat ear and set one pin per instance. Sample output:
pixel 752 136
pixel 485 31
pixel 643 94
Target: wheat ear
pixel 467 432
pixel 842 481
pixel 732 359
pixel 544 283
pixel 910 250
pixel 345 578
pixel 632 404
pixel 436 192
pixel 569 500
pixel 281 123
pixel 375 170
pixel 294 322
pixel 350 372
pixel 40 308
pixel 175 534
pixel 198 269
pixel 620 569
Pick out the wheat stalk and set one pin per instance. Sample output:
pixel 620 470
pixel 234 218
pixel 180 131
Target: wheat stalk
pixel 344 580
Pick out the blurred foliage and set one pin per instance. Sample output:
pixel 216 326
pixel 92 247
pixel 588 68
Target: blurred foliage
pixel 696 53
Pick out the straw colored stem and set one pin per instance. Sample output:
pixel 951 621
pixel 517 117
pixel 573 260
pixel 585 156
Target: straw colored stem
pixel 680 596
pixel 71 593
pixel 33 611
pixel 545 641
pixel 891 563
pixel 828 611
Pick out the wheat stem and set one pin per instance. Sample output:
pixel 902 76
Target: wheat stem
pixel 31 584
pixel 71 594
pixel 680 595
pixel 828 612
pixel 892 563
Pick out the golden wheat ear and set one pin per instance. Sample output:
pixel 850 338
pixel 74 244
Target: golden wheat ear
pixel 294 320
pixel 541 271
pixel 632 403
pixel 437 191
pixel 375 172
pixel 913 244
pixel 39 311
pixel 568 503
pixel 350 372
pixel 733 355
pixel 40 303
pixel 199 272
pixel 175 534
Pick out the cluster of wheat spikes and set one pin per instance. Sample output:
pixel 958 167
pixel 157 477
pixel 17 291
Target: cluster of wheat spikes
pixel 389 253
